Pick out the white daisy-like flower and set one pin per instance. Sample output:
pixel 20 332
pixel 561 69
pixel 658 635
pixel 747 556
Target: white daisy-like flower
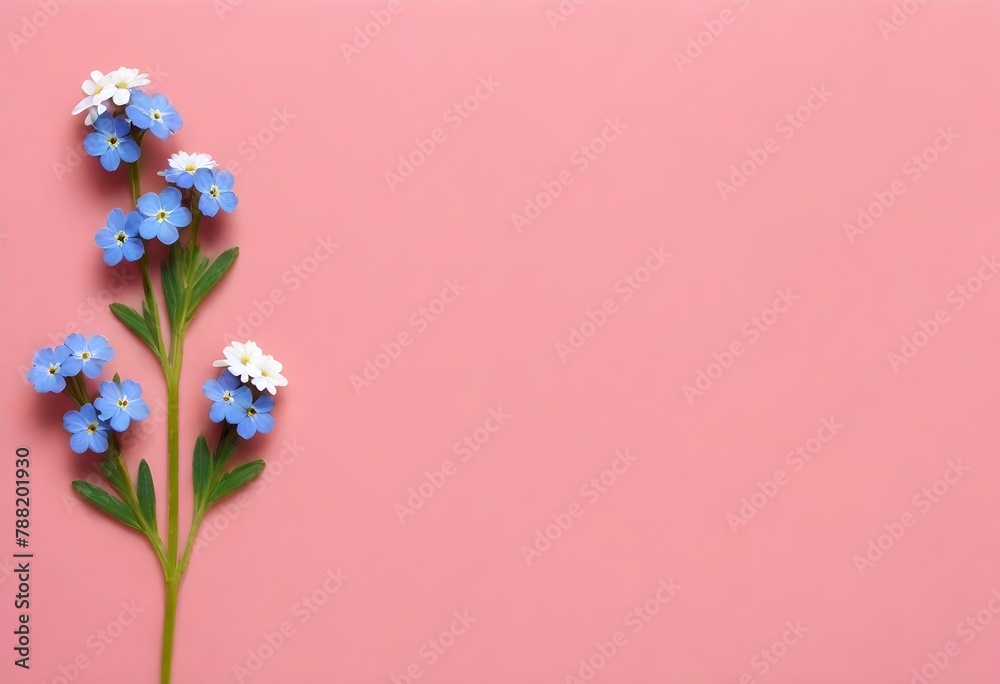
pixel 96 91
pixel 120 83
pixel 269 376
pixel 242 360
pixel 185 162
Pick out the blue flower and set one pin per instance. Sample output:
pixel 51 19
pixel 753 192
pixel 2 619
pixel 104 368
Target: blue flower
pixel 88 432
pixel 119 404
pixel 164 215
pixel 87 355
pixel 221 392
pixel 111 141
pixel 249 416
pixel 47 373
pixel 216 188
pixel 120 238
pixel 153 113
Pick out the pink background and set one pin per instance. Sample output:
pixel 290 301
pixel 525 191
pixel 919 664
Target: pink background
pixel 331 505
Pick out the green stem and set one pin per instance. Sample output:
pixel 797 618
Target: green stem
pixel 173 447
pixel 195 218
pixel 172 571
pixel 169 622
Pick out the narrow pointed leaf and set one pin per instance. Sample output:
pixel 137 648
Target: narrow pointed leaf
pixel 236 478
pixel 146 494
pixel 135 322
pixel 172 285
pixel 226 449
pixel 113 475
pixel 107 503
pixel 201 470
pixel 211 277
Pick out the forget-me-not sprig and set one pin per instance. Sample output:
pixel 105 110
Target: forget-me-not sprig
pixel 86 355
pixel 183 166
pixel 155 114
pixel 221 392
pixel 249 416
pixel 48 373
pixel 86 430
pixel 164 215
pixel 120 237
pixel 121 403
pixel 111 141
pixel 216 188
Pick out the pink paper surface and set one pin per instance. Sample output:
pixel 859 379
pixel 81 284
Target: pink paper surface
pixel 697 400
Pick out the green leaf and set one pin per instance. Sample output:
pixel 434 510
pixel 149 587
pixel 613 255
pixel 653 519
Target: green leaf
pixel 211 277
pixel 113 475
pixel 236 478
pixel 146 494
pixel 173 284
pixel 136 323
pixel 107 503
pixel 226 448
pixel 202 470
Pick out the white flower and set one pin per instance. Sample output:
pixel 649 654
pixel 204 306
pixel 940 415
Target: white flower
pixel 242 359
pixel 120 82
pixel 269 376
pixel 182 161
pixel 96 91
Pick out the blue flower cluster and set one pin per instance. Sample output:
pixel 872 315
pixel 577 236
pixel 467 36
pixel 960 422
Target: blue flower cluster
pixel 239 404
pixel 114 136
pixel 119 403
